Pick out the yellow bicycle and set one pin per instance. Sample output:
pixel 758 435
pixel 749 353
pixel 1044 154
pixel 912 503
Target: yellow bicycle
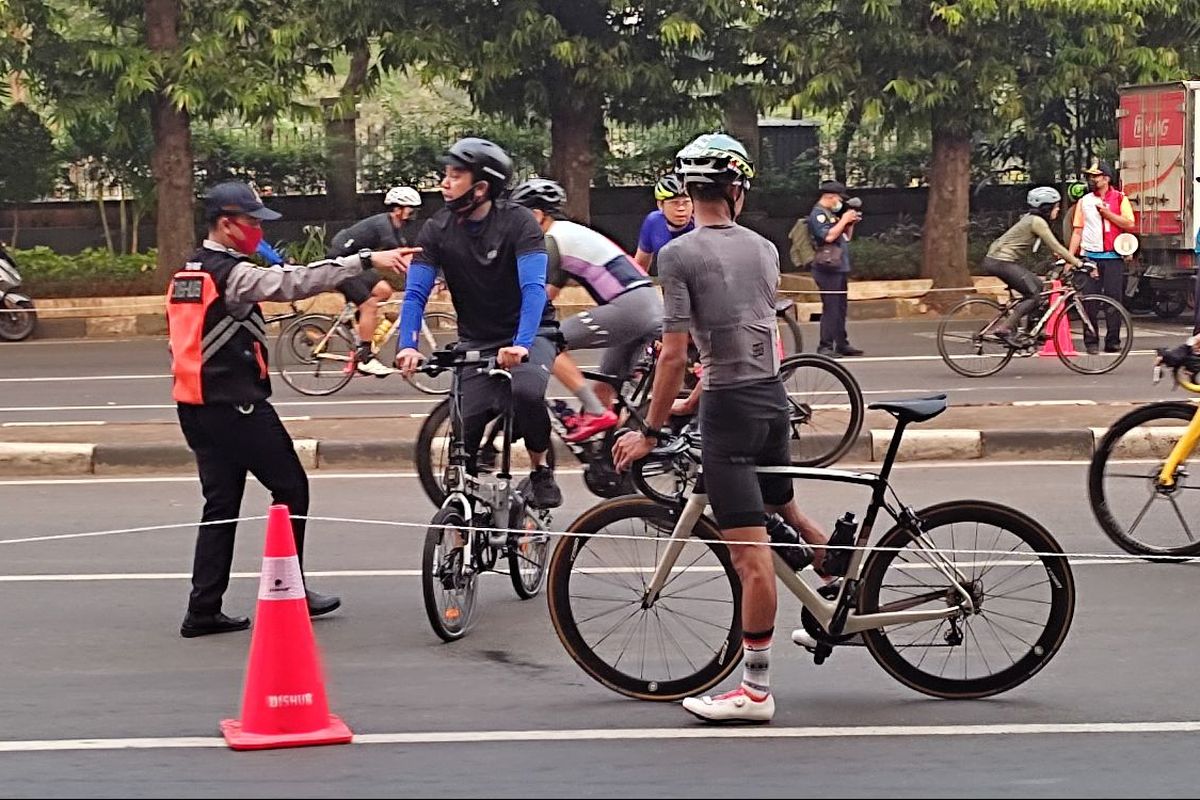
pixel 1139 482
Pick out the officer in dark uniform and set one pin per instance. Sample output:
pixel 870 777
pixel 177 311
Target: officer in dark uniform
pixel 219 363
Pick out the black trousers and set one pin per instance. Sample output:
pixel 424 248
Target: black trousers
pixel 833 307
pixel 1111 283
pixel 484 398
pixel 229 444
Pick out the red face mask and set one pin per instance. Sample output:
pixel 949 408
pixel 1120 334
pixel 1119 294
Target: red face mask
pixel 248 237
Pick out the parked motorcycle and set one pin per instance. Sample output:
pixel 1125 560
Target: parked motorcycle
pixel 17 317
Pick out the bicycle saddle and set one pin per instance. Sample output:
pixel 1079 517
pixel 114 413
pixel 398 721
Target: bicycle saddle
pixel 918 409
pixel 783 305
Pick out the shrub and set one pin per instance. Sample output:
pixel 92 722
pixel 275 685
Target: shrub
pixel 93 272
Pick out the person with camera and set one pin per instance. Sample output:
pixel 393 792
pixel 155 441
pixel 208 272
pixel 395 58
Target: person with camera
pixel 831 224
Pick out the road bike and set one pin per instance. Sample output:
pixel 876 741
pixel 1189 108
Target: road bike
pixel 963 599
pixel 824 399
pixel 482 521
pixel 1139 481
pixel 315 354
pixel 1068 324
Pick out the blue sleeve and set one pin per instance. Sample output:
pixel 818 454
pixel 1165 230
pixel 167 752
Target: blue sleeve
pixel 417 286
pixel 531 271
pixel 269 254
pixel 645 235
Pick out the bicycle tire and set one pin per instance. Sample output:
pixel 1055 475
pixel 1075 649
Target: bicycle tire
pixel 963 314
pixel 790 334
pixel 527 568
pixel 1076 358
pixel 719 657
pixel 1102 500
pixel 813 406
pixel 1060 607
pixel 447 628
pixel 293 361
pixel 434 322
pixel 431 456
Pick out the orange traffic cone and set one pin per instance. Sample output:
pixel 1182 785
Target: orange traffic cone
pixel 1059 339
pixel 284 703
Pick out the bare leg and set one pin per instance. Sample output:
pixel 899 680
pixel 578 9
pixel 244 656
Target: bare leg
pixel 757 573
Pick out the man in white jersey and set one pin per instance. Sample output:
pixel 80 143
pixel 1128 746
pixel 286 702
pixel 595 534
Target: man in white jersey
pixel 628 309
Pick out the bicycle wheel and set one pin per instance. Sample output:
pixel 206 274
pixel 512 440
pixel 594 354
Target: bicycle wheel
pixel 1140 516
pixel 790 335
pixel 1085 321
pixel 527 556
pixel 826 408
pixel 1021 587
pixel 667 481
pixel 312 359
pixel 432 453
pixel 685 642
pixel 438 330
pixel 964 341
pixel 448 584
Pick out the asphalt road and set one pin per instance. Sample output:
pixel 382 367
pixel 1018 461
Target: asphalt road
pixel 84 382
pixel 100 658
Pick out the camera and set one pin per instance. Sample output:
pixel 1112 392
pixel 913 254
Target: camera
pixel 855 203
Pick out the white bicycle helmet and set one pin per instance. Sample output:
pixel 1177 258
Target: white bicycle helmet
pixel 1042 196
pixel 402 196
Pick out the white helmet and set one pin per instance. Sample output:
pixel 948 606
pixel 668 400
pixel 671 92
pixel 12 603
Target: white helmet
pixel 1042 196
pixel 402 196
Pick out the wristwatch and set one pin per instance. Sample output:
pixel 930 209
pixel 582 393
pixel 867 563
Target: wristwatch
pixel 364 256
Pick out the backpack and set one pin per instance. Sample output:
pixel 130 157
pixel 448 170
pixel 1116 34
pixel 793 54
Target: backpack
pixel 803 251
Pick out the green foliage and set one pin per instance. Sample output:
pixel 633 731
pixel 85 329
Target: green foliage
pixel 294 166
pixel 91 273
pixel 30 163
pixel 879 258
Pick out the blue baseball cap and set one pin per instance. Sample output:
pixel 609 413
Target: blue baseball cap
pixel 235 197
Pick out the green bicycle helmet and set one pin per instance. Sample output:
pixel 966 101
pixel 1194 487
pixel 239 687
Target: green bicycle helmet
pixel 1076 190
pixel 669 187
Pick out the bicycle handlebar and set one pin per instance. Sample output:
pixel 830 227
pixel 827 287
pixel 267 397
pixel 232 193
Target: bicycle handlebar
pixel 443 360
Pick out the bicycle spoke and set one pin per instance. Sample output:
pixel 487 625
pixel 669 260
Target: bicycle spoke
pixel 1142 513
pixel 1186 528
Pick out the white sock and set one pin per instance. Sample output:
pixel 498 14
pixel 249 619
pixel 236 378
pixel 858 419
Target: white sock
pixel 756 664
pixel 591 403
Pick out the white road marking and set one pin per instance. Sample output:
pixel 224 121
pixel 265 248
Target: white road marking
pixel 312 475
pixel 114 577
pixel 635 734
pixel 77 378
pixel 59 424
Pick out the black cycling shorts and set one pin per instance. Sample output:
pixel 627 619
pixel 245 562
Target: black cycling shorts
pixel 359 288
pixel 743 428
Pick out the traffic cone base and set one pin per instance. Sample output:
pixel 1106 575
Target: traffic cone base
pixel 336 732
pixel 283 703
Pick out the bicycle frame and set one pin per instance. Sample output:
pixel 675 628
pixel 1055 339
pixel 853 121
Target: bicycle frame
pixel 1187 442
pixel 835 616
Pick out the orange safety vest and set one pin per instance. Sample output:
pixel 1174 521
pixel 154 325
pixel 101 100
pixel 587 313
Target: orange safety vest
pixel 215 357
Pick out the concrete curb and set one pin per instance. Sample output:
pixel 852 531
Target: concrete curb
pixel 39 458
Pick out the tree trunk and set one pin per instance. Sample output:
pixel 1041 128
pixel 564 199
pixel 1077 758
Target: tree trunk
pixel 104 222
pixel 573 124
pixel 741 120
pixel 123 221
pixel 946 215
pixel 171 160
pixel 341 138
pixel 16 226
pixel 841 149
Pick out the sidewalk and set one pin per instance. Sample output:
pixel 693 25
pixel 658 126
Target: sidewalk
pixel 1000 432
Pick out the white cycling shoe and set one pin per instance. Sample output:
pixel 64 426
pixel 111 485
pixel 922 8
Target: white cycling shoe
pixel 804 639
pixel 374 367
pixel 735 706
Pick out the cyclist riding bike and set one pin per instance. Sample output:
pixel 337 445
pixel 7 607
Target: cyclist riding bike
pixel 492 254
pixel 719 282
pixel 672 219
pixel 378 232
pixel 1016 243
pixel 628 308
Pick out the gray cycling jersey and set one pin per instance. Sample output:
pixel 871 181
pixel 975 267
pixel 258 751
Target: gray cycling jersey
pixel 720 283
pixel 376 232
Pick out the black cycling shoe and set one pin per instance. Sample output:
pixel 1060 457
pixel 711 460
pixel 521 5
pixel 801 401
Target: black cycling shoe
pixel 544 490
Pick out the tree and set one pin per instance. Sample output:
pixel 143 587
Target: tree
pixel 31 164
pixel 180 59
pixel 570 63
pixel 956 69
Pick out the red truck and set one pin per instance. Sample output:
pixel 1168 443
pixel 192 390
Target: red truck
pixel 1158 127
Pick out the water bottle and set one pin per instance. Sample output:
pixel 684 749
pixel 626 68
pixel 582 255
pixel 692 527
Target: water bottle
pixel 781 533
pixel 845 531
